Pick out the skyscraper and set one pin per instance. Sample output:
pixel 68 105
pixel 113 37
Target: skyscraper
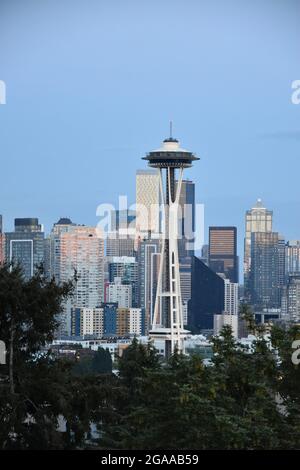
pixel 258 219
pixel 52 247
pixel 25 245
pixel 186 239
pixel 290 304
pixel 121 239
pixel 187 219
pixel 126 269
pixel 292 257
pixel 122 220
pixel 222 251
pixel 265 280
pixel 185 272
pixel 147 202
pixel 231 297
pixel 119 245
pixel 207 297
pixel 81 251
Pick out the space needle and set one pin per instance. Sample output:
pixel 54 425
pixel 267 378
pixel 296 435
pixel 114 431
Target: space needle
pixel 167 322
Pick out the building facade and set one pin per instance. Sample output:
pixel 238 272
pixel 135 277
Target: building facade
pixel 125 268
pixel 290 303
pixel 25 245
pixel 207 297
pixel 265 280
pixel 186 219
pixel 52 247
pixel 231 297
pixel 120 240
pixel 81 251
pixel 292 257
pixel 222 254
pixel 148 267
pixel 87 321
pixel 147 202
pixel 226 320
pixel 257 219
pixel 119 293
pixel 108 320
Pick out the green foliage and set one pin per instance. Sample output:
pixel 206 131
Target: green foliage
pixel 243 400
pixel 234 404
pixel 99 363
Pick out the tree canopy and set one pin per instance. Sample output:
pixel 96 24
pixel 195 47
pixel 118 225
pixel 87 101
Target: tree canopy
pixel 242 400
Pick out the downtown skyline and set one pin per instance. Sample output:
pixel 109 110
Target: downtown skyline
pixel 70 113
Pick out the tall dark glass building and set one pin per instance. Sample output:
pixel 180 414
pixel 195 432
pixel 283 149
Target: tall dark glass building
pixel 222 252
pixel 207 297
pixel 267 269
pixel 186 240
pixel 25 245
pixel 187 219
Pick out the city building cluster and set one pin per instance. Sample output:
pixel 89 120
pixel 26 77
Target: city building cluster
pixel 118 273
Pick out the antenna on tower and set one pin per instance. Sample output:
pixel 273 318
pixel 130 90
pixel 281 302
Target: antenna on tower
pixel 171 129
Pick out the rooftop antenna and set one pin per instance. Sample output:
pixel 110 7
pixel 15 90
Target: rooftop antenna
pixel 171 129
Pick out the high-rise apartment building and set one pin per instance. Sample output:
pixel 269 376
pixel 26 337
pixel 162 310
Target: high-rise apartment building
pixel 125 268
pixel 119 293
pixel 231 297
pixel 222 251
pixel 129 321
pixel 81 251
pixel 258 219
pixel 107 320
pixel 290 302
pixel 147 202
pixel 87 321
pixel 52 247
pixel 292 257
pixel 25 245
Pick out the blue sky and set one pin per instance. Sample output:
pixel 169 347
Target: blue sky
pixel 91 87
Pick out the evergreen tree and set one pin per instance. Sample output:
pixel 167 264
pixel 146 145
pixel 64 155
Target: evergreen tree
pixel 28 320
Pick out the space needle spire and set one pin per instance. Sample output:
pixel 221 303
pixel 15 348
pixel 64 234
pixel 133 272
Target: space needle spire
pixel 167 323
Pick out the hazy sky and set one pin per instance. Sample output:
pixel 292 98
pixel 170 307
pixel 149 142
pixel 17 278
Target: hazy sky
pixel 92 85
